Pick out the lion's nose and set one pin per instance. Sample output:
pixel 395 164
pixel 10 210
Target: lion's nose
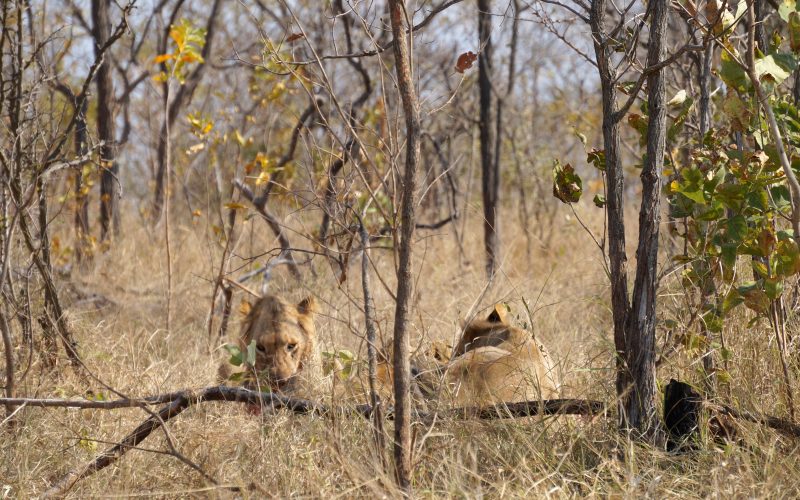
pixel 276 375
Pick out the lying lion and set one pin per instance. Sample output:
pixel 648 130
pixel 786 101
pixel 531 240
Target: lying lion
pixel 495 362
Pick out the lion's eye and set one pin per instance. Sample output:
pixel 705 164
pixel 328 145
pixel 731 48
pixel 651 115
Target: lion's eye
pixel 261 348
pixel 291 347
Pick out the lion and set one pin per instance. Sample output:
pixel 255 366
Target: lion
pixel 287 357
pixel 496 362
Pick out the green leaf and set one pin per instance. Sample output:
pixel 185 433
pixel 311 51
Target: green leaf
pixel 599 200
pixel 713 322
pixel 758 200
pixel 781 197
pixel 346 355
pixel 773 287
pixel 731 300
pixel 737 110
pixel 788 258
pixel 737 228
pixel 786 7
pixel 754 297
pixel 725 353
pixel 567 185
pixel 766 242
pixel 723 377
pixel 731 194
pixel 728 255
pixel 760 268
pixel 733 74
pixel 771 69
pixel 794 31
pixel 251 353
pixel 237 358
pixel 597 157
pixel 680 118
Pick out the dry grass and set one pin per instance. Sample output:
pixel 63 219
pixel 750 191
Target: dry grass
pixel 125 346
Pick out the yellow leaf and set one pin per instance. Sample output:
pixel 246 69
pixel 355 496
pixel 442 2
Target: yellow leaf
pixel 161 77
pixel 196 148
pixel 234 206
pixel 238 137
pixel 190 57
pixel 244 308
pixel 178 34
pixel 197 213
pixel 262 178
pixel 208 128
pixel 674 186
pixel 162 58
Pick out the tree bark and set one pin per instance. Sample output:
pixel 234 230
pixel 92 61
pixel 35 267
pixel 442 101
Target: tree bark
pixel 639 402
pixel 401 362
pixel 490 181
pixel 618 259
pixel 101 31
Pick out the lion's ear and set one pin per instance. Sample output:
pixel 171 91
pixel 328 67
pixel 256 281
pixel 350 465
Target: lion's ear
pixel 498 314
pixel 307 306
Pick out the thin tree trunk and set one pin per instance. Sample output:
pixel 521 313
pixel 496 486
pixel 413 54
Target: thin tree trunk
pixel 490 181
pixel 81 198
pixel 705 96
pixel 618 259
pixel 9 361
pixel 401 362
pixel 639 402
pixel 109 218
pixel 707 286
pixel 372 351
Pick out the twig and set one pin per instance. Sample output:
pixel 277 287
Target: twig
pixel 273 223
pixel 779 424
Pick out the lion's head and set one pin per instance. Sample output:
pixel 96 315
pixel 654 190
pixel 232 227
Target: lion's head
pixel 490 332
pixel 285 339
pixel 497 362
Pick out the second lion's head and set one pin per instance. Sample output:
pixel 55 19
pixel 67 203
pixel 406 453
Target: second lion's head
pixel 285 339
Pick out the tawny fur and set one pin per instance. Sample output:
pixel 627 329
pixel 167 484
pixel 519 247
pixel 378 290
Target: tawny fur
pixel 496 362
pixel 288 359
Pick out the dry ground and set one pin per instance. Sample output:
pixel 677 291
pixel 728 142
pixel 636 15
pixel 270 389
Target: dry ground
pixel 124 343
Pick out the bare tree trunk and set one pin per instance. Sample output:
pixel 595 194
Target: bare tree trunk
pixel 639 402
pixel 105 123
pixel 402 367
pixel 5 330
pixel 705 96
pixel 490 181
pixel 81 198
pixel 618 259
pixel 372 351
